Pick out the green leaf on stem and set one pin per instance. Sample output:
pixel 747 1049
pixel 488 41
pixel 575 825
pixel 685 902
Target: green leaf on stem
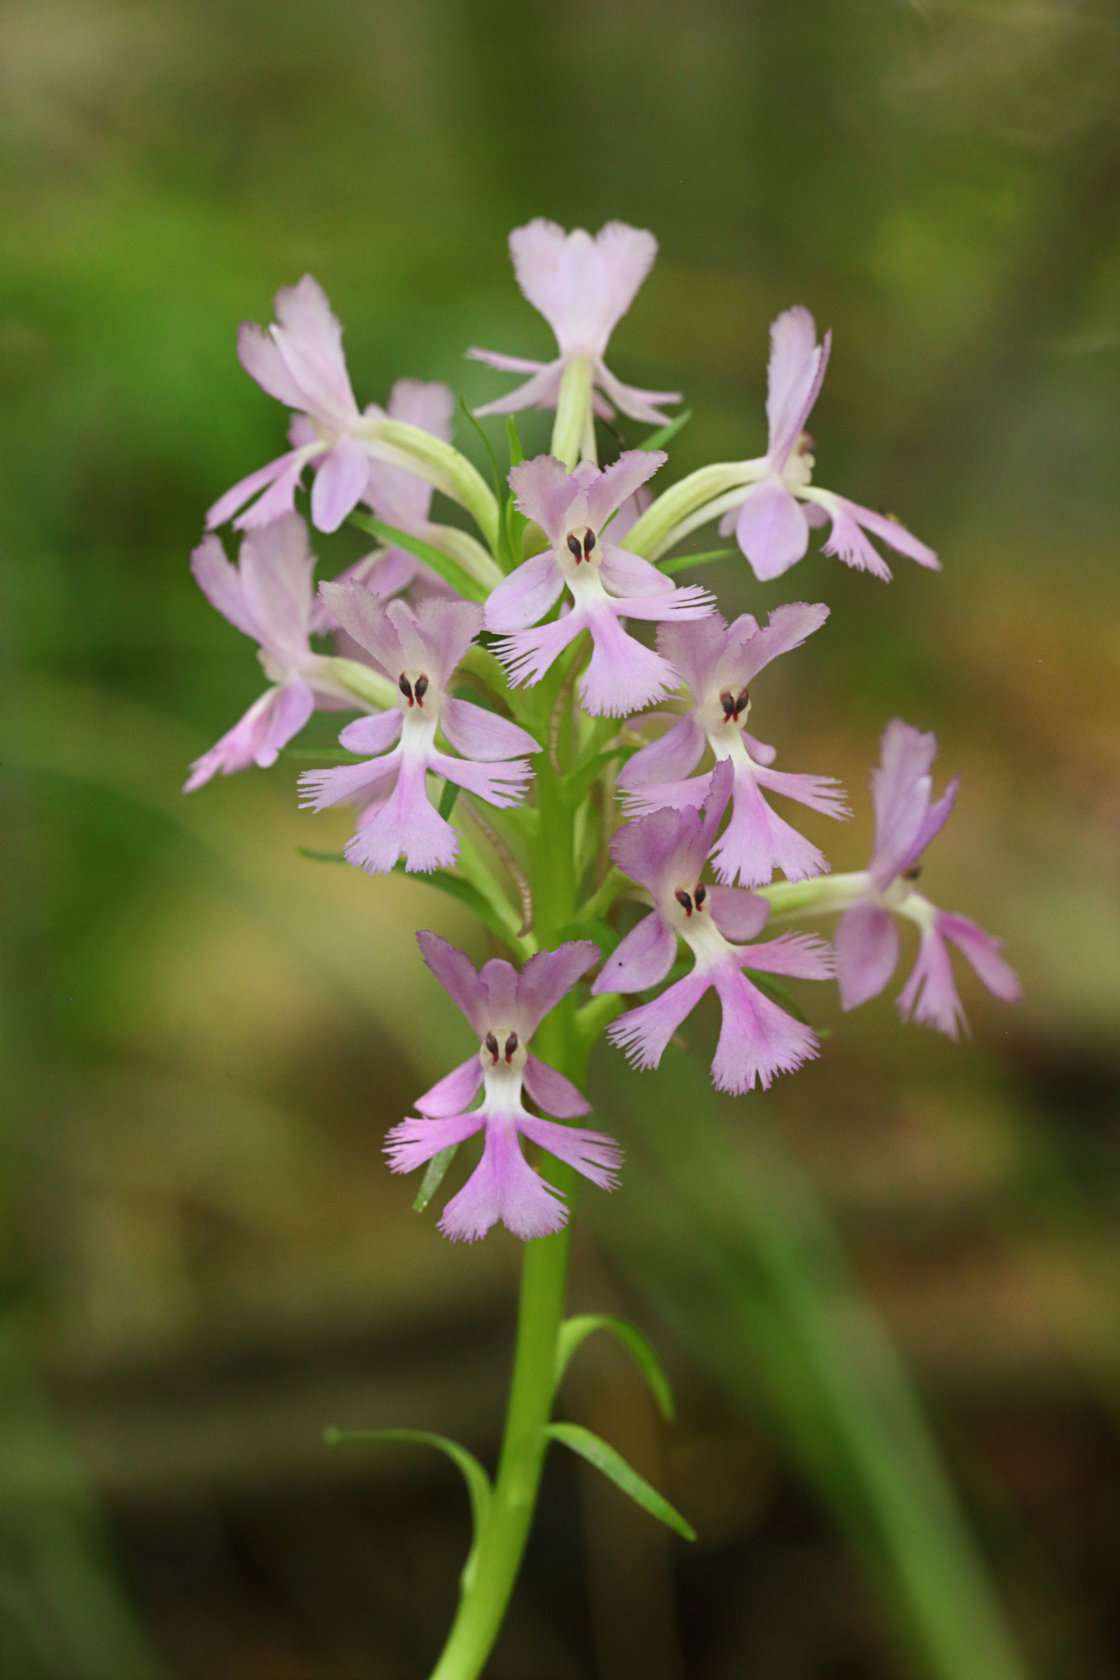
pixel 321 857
pixel 681 562
pixel 447 799
pixel 433 1178
pixel 455 887
pixel 597 1452
pixel 450 570
pixel 478 1482
pixel 495 470
pixel 665 434
pixel 516 453
pixel 578 782
pixel 575 1331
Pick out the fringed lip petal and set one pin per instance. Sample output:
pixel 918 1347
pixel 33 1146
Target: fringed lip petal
pixel 593 1154
pixel 642 1034
pixel 757 1038
pixel 416 1140
pixel 981 952
pixel 504 1187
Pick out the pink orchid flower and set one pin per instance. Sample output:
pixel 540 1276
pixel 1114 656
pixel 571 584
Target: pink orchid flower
pixel 505 1008
pixel 606 582
pixel 771 523
pixel 582 287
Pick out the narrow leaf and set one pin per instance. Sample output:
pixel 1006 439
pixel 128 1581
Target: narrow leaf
pixel 455 887
pixel 575 1331
pixel 516 453
pixel 433 1178
pixel 597 1452
pixel 450 570
pixel 577 784
pixel 447 799
pixel 321 857
pixel 495 471
pixel 681 562
pixel 478 1482
pixel 665 434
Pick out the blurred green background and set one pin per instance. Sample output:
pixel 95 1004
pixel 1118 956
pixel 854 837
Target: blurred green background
pixel 206 1036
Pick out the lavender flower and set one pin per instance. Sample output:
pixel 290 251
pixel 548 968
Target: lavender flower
pixel 867 944
pixel 505 1008
pixel 717 662
pixel 771 528
pixel 666 852
pixel 300 363
pixel 268 596
pixel 418 649
pixel 582 287
pixel 607 584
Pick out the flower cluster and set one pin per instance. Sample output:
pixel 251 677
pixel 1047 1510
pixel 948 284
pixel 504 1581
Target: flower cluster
pixel 504 739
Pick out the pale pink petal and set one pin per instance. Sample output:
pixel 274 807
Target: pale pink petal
pixel 930 995
pixel 797 366
pixel 456 974
pixel 528 654
pixel 276 564
pixel 982 952
pixel 309 338
pixel 544 491
pixel 523 598
pixel 286 468
pixel 692 601
pixel 593 1154
pixel 237 748
pixel 641 960
pixel 848 543
pixel 625 255
pixel 753 648
pixel 620 480
pixel 694 649
pixel 500 982
pixel 642 1033
pixel 901 787
pixel 757 1039
pixel 479 734
pixel 384 573
pixel 632 400
pixel 552 1092
pixel 802 955
pixel 292 705
pixel 416 1140
pixel 262 361
pixel 507 364
pixel 372 735
pixel 757 841
pixel 737 914
pixel 407 825
pixel 771 529
pixel 887 529
pixel 627 574
pixel 541 391
pixel 685 795
pixel 646 849
pixel 866 945
pixel 365 618
pixel 348 784
pixel 819 793
pixel 504 785
pixel 455 1092
pixel 672 756
pixel 549 976
pixel 426 403
pixel 221 583
pixel 339 484
pixel 503 1186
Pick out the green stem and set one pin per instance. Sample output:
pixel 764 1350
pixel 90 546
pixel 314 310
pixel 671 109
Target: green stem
pixel 489 1578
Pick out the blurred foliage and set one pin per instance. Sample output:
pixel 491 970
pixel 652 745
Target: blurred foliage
pixel 206 1035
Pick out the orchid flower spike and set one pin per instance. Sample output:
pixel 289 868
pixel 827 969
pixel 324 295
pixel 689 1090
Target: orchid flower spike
pixel 607 584
pixel 666 852
pixel 867 944
pixel 505 1008
pixel 582 287
pixel 771 522
pixel 418 649
pixel 396 496
pixel 268 596
pixel 718 662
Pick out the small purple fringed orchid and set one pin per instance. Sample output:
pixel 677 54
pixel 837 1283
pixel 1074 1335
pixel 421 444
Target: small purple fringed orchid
pixel 396 496
pixel 607 584
pixel 582 287
pixel 867 943
pixel 418 650
pixel 770 525
pixel 268 596
pixel 666 852
pixel 300 363
pixel 505 1008
pixel 718 662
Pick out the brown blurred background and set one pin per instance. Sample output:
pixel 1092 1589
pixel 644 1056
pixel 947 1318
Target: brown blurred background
pixel 204 1260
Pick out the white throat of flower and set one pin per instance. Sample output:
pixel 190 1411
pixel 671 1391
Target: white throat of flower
pixel 797 473
pixel 503 1057
pixel 689 913
pixel 420 699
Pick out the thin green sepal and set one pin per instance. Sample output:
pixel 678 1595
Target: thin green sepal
pixel 575 1331
pixel 665 434
pixel 612 1464
pixel 495 470
pixel 681 562
pixel 433 1177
